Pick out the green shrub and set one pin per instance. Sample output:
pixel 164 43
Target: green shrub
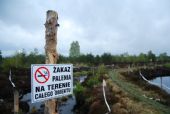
pixel 79 89
pixel 93 81
pixel 167 65
pixel 101 70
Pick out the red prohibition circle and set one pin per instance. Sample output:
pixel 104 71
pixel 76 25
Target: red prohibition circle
pixel 38 71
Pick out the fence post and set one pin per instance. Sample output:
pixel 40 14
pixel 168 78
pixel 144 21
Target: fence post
pixel 16 94
pixel 16 101
pixel 51 52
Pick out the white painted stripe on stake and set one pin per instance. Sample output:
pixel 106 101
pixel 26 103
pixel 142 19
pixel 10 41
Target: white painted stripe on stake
pixel 104 85
pixel 11 79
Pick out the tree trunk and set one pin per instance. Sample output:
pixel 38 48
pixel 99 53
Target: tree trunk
pixel 51 52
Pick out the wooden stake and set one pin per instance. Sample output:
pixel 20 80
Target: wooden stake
pixel 16 101
pixel 51 51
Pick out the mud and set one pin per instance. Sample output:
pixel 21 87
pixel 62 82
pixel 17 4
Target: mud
pixel 151 73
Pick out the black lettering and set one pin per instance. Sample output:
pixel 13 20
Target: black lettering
pixel 54 71
pixel 53 78
pixel 52 86
pixel 68 84
pixel 48 87
pixel 65 69
pixel 43 95
pixel 68 70
pixel 69 77
pixel 58 69
pixel 61 78
pixel 39 89
pixel 36 96
pixel 58 86
pixel 61 69
pixel 42 88
pixel 62 91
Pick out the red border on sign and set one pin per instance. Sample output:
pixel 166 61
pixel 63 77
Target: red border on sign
pixel 38 71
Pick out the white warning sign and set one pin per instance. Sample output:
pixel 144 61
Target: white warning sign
pixel 51 81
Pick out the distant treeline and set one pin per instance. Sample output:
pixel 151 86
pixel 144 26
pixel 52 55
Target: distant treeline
pixel 23 60
pixel 108 59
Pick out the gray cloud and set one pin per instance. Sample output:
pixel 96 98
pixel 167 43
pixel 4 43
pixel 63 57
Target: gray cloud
pixel 99 26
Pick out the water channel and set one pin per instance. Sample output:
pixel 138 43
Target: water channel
pixel 163 82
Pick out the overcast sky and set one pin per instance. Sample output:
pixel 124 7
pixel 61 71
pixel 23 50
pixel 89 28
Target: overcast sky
pixel 114 26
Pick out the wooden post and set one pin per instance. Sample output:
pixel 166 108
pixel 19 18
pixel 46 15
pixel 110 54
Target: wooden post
pixel 51 52
pixel 16 101
pixel 161 82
